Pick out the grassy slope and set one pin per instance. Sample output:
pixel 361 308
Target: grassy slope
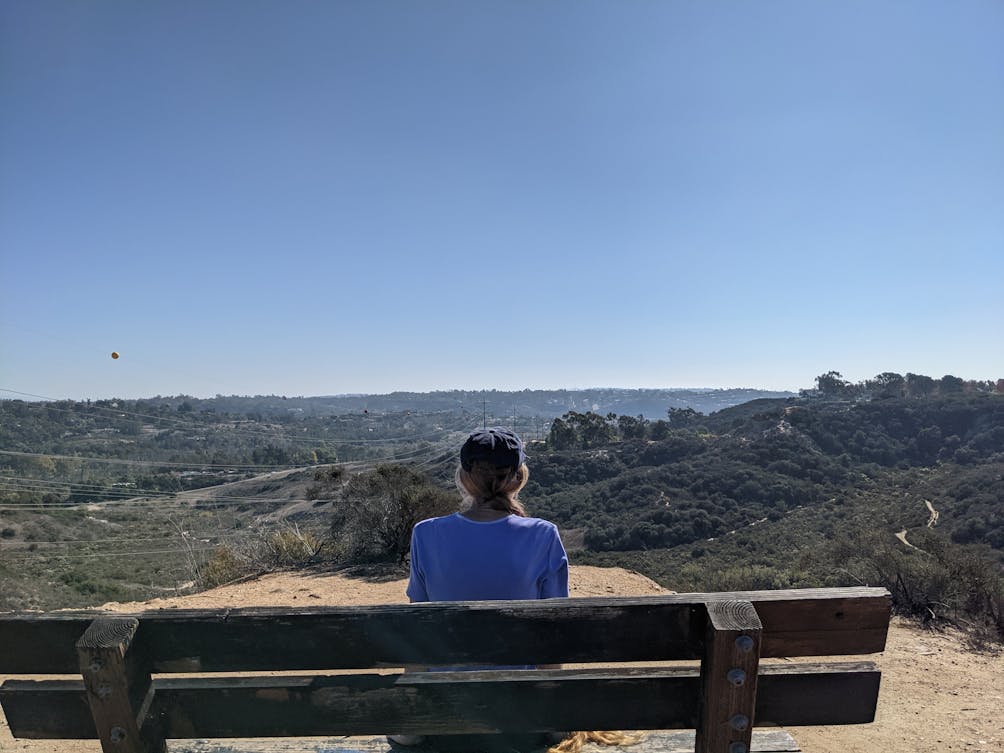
pixel 808 545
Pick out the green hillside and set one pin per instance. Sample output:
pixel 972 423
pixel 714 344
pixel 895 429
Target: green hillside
pixel 891 482
pixel 901 492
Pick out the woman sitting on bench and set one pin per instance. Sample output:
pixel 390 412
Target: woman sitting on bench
pixel 492 550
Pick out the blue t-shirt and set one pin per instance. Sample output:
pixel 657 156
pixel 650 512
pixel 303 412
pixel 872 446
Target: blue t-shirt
pixel 454 558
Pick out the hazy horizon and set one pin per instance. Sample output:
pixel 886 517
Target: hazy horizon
pixel 14 394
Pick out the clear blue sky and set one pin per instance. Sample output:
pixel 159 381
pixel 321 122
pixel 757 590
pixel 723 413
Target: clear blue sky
pixel 312 198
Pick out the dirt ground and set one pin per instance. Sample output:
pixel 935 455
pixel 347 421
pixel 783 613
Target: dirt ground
pixel 936 694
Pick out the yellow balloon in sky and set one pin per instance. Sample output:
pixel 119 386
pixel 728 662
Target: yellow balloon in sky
pixel 115 354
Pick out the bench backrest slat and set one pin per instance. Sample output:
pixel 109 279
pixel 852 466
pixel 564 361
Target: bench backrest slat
pixel 808 622
pixel 47 709
pixel 640 698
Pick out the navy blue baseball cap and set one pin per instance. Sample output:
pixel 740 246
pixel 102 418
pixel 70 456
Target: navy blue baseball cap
pixel 498 446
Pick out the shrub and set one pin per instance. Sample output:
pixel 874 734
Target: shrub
pixel 292 547
pixel 707 574
pixel 284 548
pixel 747 578
pixel 935 580
pixel 378 509
pixel 223 566
pixel 327 481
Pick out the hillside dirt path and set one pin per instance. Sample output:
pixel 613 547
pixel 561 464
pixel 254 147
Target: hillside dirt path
pixel 936 694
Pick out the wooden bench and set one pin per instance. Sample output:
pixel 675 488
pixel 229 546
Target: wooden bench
pixel 137 691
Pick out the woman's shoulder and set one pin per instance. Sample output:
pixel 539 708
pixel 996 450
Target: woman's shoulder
pixel 456 520
pixel 438 521
pixel 537 523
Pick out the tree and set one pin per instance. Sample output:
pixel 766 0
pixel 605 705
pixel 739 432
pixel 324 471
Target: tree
pixel 832 384
pixel 918 385
pixel 561 436
pixel 950 385
pixel 584 431
pixel 595 430
pixel 683 418
pixel 928 443
pixel 631 427
pixel 659 430
pixel 887 384
pixel 378 509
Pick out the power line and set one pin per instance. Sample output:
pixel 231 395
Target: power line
pixel 155 463
pixel 204 537
pixel 115 497
pixel 89 555
pixel 72 484
pixel 175 464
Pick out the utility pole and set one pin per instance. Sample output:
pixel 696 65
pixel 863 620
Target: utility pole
pixel 484 416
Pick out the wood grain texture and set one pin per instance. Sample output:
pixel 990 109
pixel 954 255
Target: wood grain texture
pixel 788 695
pixel 109 632
pixel 764 741
pixel 801 622
pixel 729 676
pixel 479 702
pixel 47 709
pixel 101 652
pixel 115 655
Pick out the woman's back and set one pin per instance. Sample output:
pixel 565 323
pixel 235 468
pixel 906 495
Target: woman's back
pixel 454 558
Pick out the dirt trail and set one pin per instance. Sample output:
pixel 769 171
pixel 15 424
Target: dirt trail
pixel 932 521
pixel 902 537
pixel 936 695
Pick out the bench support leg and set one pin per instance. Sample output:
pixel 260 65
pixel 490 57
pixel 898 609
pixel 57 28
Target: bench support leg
pixel 729 677
pixel 118 685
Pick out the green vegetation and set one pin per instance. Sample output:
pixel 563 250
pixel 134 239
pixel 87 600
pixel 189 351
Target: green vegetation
pixel 287 547
pixel 80 557
pixel 896 481
pixel 797 493
pixel 377 510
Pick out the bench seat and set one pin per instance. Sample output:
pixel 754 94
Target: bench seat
pixel 680 741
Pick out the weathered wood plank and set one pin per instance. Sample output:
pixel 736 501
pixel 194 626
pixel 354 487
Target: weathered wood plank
pixel 682 741
pixel 488 702
pixel 434 703
pixel 47 709
pixel 729 677
pixel 102 651
pixel 308 705
pixel 42 643
pixel 805 622
pixel 808 694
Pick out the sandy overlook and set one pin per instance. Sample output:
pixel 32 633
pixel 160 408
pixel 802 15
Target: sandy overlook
pixel 936 694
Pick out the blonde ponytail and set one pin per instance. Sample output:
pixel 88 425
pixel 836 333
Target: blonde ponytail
pixel 498 488
pixel 575 740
